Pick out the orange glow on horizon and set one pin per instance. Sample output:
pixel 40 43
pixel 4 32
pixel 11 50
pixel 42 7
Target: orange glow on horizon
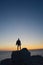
pixel 30 47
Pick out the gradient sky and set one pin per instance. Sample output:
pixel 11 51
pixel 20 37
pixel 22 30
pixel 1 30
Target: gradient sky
pixel 21 19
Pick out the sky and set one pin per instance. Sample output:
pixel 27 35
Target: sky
pixel 21 19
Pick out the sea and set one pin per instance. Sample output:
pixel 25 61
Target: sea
pixel 7 54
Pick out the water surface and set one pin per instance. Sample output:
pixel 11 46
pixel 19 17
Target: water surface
pixel 7 54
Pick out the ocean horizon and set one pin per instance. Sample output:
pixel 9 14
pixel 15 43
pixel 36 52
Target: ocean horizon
pixel 7 54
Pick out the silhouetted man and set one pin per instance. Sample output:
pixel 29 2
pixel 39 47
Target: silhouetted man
pixel 18 43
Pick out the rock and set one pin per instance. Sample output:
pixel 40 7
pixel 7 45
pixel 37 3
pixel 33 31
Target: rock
pixel 23 57
pixel 37 60
pixel 6 62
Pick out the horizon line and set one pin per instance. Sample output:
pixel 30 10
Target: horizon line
pixel 22 48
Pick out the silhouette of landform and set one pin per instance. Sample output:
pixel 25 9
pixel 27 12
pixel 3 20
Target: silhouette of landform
pixel 23 57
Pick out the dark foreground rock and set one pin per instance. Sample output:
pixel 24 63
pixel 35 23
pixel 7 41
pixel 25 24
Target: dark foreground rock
pixel 23 57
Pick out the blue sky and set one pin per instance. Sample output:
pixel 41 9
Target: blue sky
pixel 21 19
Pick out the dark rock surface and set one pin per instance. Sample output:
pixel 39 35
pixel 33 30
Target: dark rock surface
pixel 23 57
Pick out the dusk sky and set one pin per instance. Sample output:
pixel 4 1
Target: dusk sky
pixel 21 19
